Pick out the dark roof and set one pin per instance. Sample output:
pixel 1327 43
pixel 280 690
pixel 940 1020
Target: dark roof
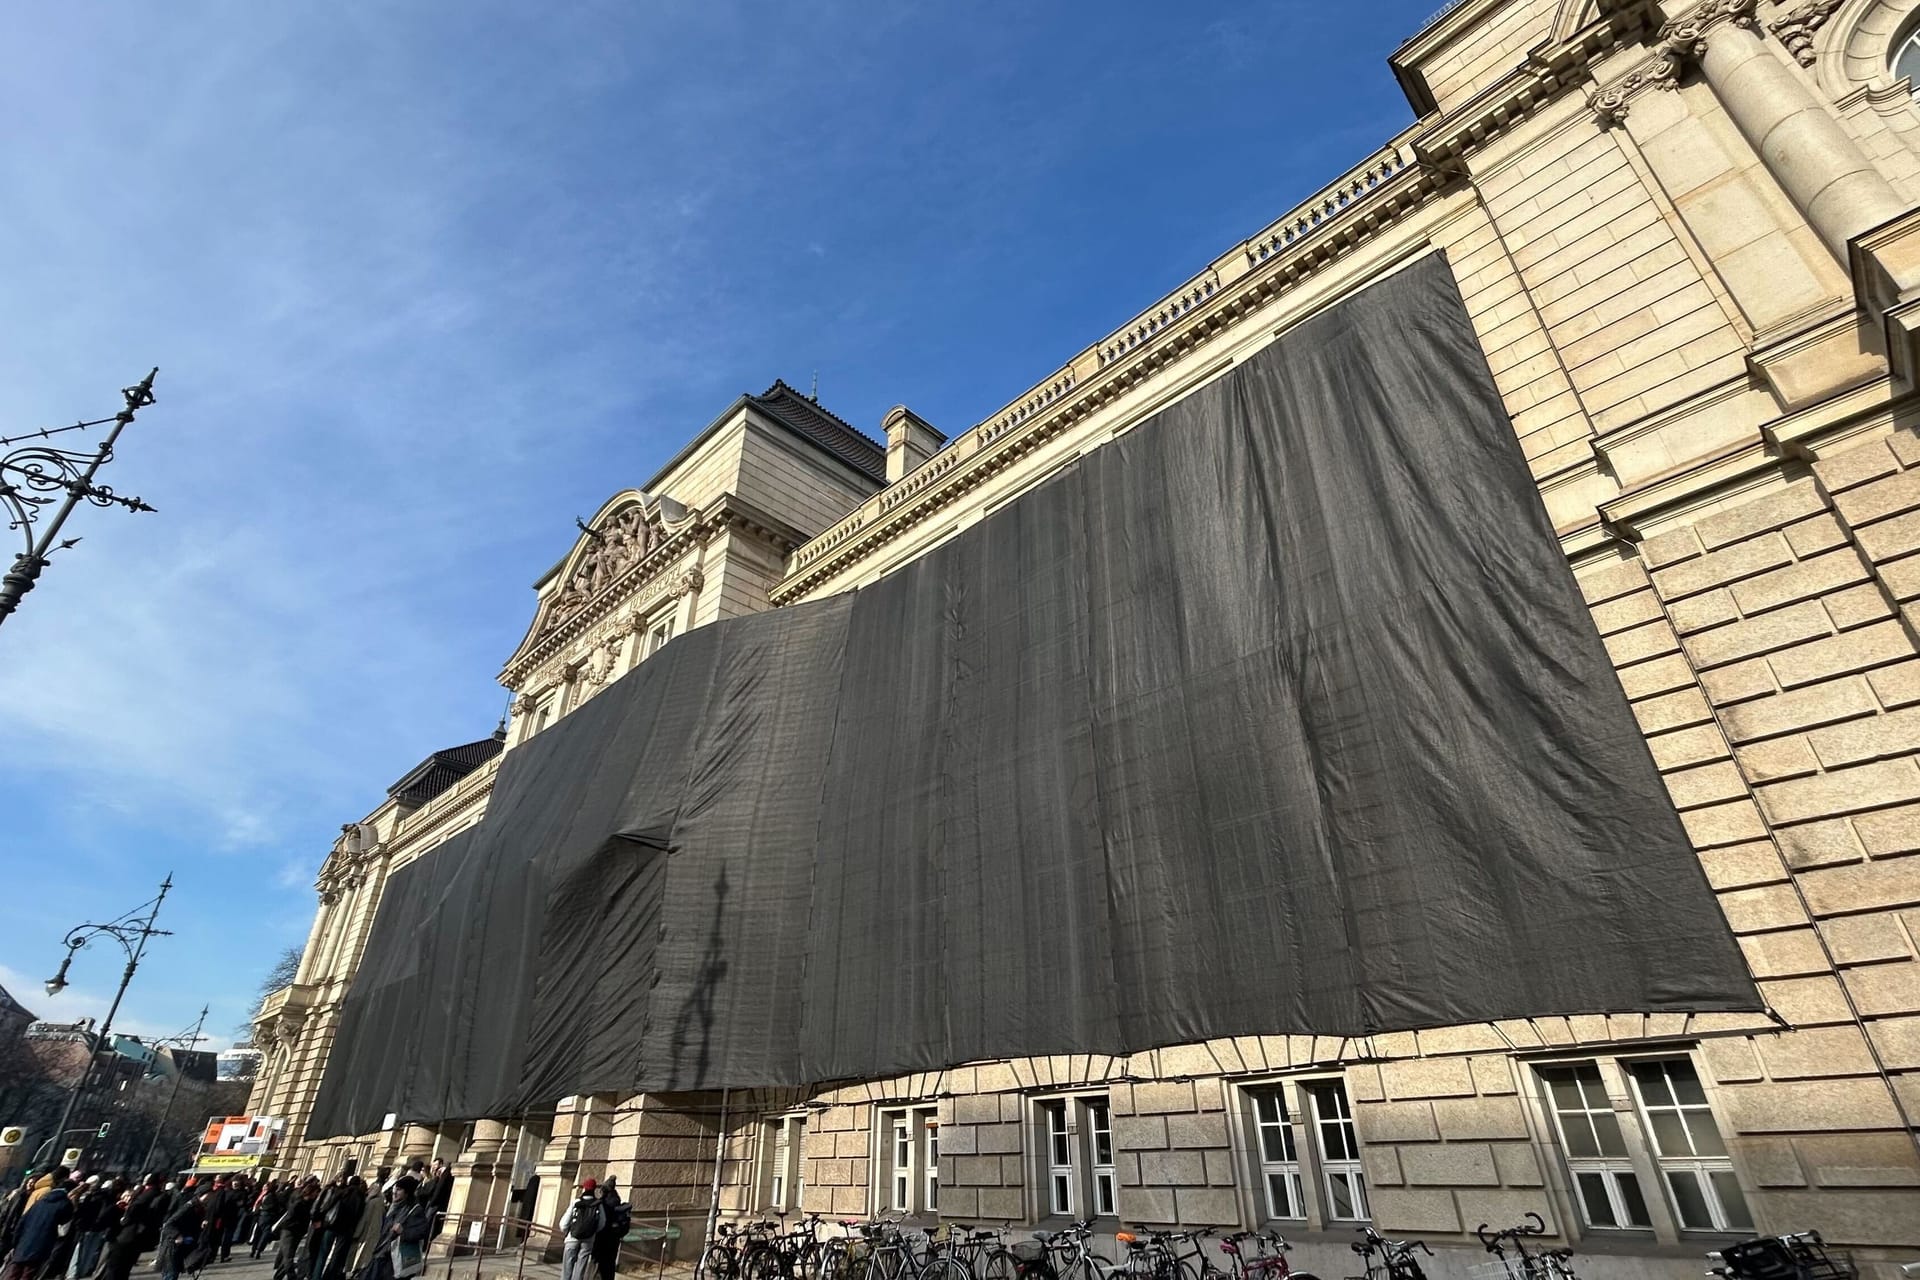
pixel 11 1008
pixel 444 768
pixel 828 430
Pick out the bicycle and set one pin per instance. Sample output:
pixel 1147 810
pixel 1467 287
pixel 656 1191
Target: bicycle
pixel 1390 1259
pixel 1061 1255
pixel 1540 1264
pixel 1797 1255
pixel 1270 1263
pixel 969 1253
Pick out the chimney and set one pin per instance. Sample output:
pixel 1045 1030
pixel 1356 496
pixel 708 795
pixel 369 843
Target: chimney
pixel 911 440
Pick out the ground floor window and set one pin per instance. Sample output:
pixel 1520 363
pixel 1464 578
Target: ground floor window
pixel 1631 1129
pixel 907 1178
pixel 1277 1154
pixel 783 1161
pixel 1077 1156
pixel 1341 1177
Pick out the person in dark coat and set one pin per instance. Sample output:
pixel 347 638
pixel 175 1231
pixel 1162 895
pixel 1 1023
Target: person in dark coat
pixel 438 1195
pixel 617 1220
pixel 273 1202
pixel 39 1233
pixel 223 1211
pixel 291 1231
pixel 402 1251
pixel 181 1233
pixel 139 1229
pixel 91 1222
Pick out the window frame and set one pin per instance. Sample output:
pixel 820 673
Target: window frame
pixel 1649 1167
pixel 783 1179
pixel 1090 1189
pixel 1330 1167
pixel 911 1186
pixel 1288 1167
pixel 1909 42
pixel 1701 1167
pixel 1610 1168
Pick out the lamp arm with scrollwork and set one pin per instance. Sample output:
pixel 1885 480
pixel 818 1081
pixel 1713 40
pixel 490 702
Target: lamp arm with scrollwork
pixel 40 475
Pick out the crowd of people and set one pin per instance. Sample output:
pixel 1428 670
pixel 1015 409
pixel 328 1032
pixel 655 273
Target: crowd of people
pixel 56 1225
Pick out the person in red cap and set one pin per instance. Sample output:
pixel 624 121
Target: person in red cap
pixel 585 1220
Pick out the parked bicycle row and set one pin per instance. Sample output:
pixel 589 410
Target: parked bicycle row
pixel 891 1249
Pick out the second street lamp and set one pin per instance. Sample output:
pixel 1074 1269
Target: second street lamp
pixel 131 931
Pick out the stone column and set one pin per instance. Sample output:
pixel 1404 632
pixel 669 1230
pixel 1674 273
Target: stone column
pixel 484 1169
pixel 1821 168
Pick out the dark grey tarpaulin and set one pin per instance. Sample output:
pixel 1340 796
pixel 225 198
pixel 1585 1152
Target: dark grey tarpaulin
pixel 1281 713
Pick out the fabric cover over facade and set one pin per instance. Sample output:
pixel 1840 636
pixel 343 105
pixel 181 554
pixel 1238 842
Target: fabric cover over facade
pixel 1280 713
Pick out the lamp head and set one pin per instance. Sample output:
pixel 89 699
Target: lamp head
pixel 58 982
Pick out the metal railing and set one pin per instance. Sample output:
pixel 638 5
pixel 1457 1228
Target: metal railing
pixel 467 1243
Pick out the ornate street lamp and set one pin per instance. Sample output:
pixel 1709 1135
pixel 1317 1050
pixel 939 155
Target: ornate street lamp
pixel 131 931
pixel 40 475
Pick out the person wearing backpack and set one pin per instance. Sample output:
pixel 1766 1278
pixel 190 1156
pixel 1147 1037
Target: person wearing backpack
pixel 583 1226
pixel 619 1220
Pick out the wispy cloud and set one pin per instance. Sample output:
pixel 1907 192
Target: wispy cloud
pixel 423 281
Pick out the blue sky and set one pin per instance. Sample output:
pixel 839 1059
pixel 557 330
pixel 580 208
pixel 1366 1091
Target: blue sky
pixel 426 280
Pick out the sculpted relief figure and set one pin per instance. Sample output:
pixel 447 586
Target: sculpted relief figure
pixel 616 546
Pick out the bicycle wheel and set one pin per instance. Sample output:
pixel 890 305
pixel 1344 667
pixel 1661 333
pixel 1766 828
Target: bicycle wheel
pixel 717 1263
pixel 764 1262
pixel 944 1267
pixel 997 1264
pixel 888 1264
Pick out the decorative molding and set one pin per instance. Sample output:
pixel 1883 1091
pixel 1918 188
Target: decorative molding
pixel 611 547
pixel 1677 46
pixel 1797 28
pixel 525 705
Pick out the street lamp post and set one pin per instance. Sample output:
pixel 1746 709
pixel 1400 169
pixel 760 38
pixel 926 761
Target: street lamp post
pixel 190 1039
pixel 131 932
pixel 39 475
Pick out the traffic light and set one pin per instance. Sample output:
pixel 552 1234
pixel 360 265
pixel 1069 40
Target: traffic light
pixel 104 1129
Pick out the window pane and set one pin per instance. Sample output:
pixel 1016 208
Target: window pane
pixel 1273 1144
pixel 1705 1134
pixel 1591 1086
pixel 1593 1199
pixel 1566 1089
pixel 1060 1153
pixel 1342 1193
pixel 1653 1084
pixel 1686 1083
pixel 1062 1200
pixel 1733 1202
pixel 1267 1107
pixel 1669 1134
pixel 1606 1128
pixel 1906 61
pixel 1580 1142
pixel 1689 1200
pixel 1635 1204
pixel 1280 1201
pixel 1103 1194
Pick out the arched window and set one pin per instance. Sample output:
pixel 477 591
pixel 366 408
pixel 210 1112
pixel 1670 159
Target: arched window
pixel 1906 59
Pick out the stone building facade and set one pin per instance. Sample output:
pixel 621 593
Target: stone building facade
pixel 1689 238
